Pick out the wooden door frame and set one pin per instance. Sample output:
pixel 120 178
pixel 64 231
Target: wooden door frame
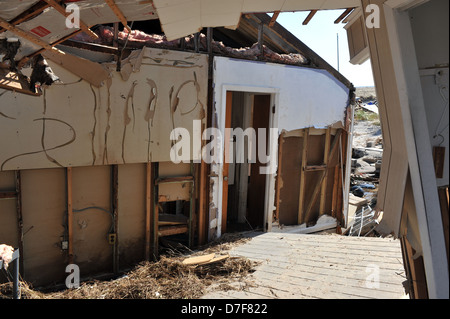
pixel 269 202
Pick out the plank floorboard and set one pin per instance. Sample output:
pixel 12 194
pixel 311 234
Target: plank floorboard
pixel 298 266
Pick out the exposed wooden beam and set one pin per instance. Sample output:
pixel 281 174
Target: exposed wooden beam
pixel 301 197
pixel 24 60
pixel 69 214
pixel 296 45
pixel 324 183
pixel 63 11
pixel 309 17
pixel 148 209
pixel 33 11
pixel 19 220
pixel 274 18
pixel 118 13
pixel 317 189
pixel 26 35
pixel 344 15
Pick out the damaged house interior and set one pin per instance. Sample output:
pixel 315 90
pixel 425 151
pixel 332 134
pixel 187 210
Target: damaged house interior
pixel 87 113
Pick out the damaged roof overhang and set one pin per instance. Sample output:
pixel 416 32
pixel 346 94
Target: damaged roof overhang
pixel 41 25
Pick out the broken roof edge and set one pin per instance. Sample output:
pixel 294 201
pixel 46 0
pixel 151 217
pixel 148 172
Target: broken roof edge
pixel 302 48
pixel 140 40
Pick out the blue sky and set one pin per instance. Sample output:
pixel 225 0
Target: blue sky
pixel 321 36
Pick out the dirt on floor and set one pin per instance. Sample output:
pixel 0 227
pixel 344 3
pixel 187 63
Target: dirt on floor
pixel 167 278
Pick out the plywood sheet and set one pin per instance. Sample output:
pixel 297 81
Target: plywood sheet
pixel 290 177
pixel 8 216
pixel 131 212
pixel 91 188
pixel 43 209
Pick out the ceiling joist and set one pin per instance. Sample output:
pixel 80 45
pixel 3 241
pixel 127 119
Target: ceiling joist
pixel 26 35
pixel 309 17
pixel 344 15
pixel 61 10
pixel 274 18
pixel 118 13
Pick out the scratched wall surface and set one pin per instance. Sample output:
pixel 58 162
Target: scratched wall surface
pixel 127 120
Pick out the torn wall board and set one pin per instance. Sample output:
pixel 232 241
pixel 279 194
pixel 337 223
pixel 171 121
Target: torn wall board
pixel 77 124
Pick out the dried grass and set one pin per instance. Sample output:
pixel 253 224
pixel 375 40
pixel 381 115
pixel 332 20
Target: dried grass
pixel 168 278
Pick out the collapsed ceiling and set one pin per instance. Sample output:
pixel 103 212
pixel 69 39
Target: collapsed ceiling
pixel 31 27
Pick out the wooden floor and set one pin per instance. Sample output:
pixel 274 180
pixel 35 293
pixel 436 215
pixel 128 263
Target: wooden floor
pixel 319 266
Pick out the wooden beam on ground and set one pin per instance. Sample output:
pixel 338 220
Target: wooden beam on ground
pixel 301 197
pixel 344 15
pixel 309 17
pixel 118 13
pixel 274 18
pixel 63 11
pixel 324 183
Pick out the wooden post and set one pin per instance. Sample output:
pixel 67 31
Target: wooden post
pixel 19 220
pixel 278 180
pixel 69 214
pixel 115 208
pixel 261 39
pixel 301 197
pixel 325 161
pixel 335 191
pixel 202 205
pixel 148 203
pixel 155 216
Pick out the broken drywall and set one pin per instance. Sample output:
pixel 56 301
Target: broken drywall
pixel 75 123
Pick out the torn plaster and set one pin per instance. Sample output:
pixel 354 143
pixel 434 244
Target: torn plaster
pixel 75 123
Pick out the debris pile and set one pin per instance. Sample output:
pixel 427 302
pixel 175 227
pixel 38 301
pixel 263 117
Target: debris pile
pixel 171 277
pixel 367 157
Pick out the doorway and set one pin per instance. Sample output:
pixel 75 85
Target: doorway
pixel 244 187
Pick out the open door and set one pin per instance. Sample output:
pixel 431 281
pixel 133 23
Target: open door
pixel 257 181
pixel 243 197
